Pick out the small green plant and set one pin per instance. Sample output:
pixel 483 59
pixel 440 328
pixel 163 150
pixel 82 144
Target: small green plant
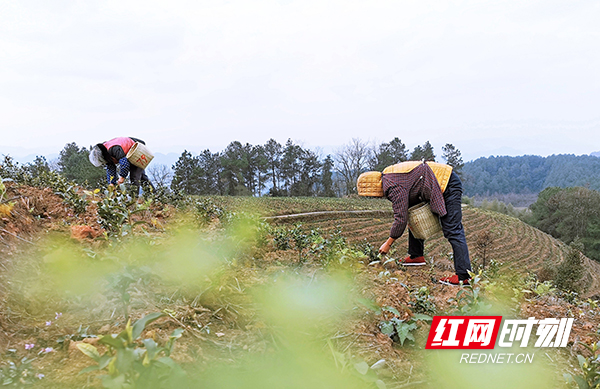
pixel 2 190
pixel 492 269
pixel 80 334
pixel 544 288
pixel 400 330
pixel 570 297
pixel 301 239
pixel 115 213
pixel 358 368
pixel 422 301
pixel 131 365
pixel 207 211
pixel 469 298
pixel 590 377
pixel 281 238
pixel 369 250
pixel 6 205
pixel 63 188
pixel 533 287
pixel 163 195
pixel 16 372
pixel 119 284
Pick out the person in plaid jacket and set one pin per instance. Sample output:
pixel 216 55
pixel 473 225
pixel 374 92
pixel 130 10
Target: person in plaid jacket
pixel 413 182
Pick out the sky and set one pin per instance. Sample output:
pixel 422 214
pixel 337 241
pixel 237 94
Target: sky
pixel 491 77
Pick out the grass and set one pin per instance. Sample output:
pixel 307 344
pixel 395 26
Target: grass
pixel 253 315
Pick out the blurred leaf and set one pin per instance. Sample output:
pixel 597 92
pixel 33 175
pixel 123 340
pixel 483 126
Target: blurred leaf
pixel 581 383
pixel 89 350
pixel 139 325
pixel 115 343
pixel 404 332
pixel 387 328
pixel 420 316
pixel 379 364
pixel 151 348
pixel 89 369
pixel 392 310
pixel 362 367
pixel 113 383
pixel 380 384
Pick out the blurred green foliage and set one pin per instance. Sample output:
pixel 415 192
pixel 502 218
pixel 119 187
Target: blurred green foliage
pixel 131 366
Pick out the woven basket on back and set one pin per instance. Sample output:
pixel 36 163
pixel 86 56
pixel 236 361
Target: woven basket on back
pixel 369 184
pixel 422 222
pixel 139 155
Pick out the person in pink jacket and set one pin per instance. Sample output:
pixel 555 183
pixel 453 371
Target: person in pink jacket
pixel 114 152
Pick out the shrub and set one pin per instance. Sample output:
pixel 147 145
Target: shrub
pixel 571 270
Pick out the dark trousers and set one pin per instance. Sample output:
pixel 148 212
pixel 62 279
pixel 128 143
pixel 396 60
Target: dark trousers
pixel 452 228
pixel 138 177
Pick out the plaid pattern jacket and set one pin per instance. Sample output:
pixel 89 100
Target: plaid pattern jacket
pixel 407 189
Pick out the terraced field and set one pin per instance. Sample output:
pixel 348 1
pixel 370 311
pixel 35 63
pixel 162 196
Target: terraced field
pixel 516 244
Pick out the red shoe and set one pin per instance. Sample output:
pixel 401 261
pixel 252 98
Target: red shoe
pixel 453 281
pixel 418 261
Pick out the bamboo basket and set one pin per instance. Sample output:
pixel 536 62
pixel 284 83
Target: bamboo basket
pixel 422 222
pixel 139 155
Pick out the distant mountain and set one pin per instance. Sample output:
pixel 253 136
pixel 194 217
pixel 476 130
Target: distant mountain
pixel 595 154
pixel 31 157
pixel 165 159
pixel 529 174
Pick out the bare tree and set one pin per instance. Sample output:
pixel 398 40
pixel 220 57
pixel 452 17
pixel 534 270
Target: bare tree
pixel 161 175
pixel 484 243
pixel 352 160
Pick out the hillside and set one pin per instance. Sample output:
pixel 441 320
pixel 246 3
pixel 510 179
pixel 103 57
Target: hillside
pixel 516 244
pixel 297 299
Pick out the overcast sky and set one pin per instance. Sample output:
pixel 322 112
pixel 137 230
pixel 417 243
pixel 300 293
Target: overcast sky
pixel 491 77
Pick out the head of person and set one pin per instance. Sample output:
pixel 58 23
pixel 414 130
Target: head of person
pixel 369 184
pixel 97 157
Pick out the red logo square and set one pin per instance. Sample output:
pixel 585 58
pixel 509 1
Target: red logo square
pixel 463 332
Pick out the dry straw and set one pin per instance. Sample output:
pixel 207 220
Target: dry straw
pixel 422 222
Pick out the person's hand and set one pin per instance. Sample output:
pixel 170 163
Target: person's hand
pixel 385 248
pixel 121 180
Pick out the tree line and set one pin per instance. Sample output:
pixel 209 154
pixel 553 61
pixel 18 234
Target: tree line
pixel 529 174
pixel 288 169
pixel 271 169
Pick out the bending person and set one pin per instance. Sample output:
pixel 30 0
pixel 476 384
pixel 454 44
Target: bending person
pixel 114 152
pixel 410 183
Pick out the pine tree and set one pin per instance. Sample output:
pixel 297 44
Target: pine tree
pixel 273 155
pixel 453 157
pixel 327 178
pixel 187 174
pixel 423 153
pixel 389 154
pixel 74 164
pixel 234 160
